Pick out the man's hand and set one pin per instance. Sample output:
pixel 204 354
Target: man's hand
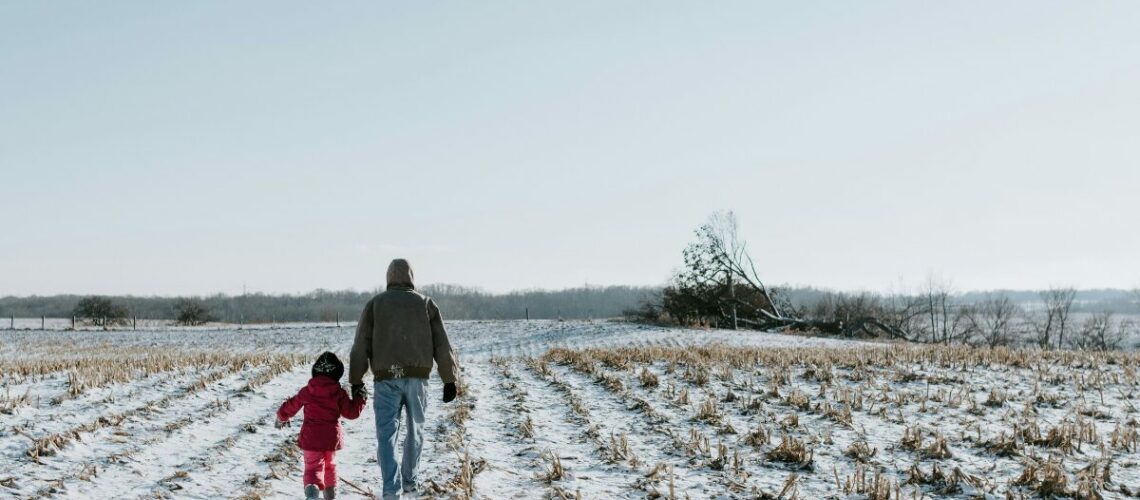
pixel 449 391
pixel 281 424
pixel 358 391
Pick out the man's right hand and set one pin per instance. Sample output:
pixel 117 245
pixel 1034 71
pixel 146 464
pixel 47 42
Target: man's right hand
pixel 449 392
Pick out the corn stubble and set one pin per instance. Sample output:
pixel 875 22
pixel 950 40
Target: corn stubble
pixel 1058 420
pixel 993 418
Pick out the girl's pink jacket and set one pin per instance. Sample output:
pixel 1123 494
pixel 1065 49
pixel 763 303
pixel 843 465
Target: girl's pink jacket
pixel 324 402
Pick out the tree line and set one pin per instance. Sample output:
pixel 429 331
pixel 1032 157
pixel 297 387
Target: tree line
pixel 936 314
pixel 456 302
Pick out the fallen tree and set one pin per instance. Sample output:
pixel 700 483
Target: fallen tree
pixel 865 326
pixel 720 286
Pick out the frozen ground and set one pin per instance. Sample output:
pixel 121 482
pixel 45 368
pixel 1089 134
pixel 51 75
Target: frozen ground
pixel 621 411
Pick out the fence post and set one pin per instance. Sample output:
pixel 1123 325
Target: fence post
pixel 338 319
pixel 43 322
pixel 12 322
pixel 73 322
pixel 528 314
pixel 134 323
pixel 732 291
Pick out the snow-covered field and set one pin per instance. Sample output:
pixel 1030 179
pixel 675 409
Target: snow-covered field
pixel 565 409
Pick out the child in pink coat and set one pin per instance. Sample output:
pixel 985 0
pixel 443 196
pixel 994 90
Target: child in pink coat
pixel 321 436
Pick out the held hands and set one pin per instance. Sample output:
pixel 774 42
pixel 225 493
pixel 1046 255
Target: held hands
pixel 449 392
pixel 358 391
pixel 281 424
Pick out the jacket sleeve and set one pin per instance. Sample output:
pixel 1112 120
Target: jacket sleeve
pixel 361 356
pixel 443 353
pixel 292 405
pixel 350 408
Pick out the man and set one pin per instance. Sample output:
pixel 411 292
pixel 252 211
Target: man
pixel 399 335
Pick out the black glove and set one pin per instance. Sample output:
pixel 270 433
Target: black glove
pixel 358 391
pixel 449 392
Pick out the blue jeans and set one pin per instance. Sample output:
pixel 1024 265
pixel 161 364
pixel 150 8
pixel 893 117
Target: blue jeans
pixel 409 394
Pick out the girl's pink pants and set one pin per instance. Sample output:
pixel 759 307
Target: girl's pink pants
pixel 320 468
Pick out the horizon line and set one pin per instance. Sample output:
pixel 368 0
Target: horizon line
pixel 586 286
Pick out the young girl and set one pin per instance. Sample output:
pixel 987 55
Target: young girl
pixel 324 402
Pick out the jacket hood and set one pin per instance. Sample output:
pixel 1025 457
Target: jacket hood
pixel 323 386
pixel 400 274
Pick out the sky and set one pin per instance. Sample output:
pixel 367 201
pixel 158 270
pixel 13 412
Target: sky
pixel 199 147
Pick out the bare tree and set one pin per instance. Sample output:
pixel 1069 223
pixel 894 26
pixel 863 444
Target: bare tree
pixel 937 294
pixel 1101 332
pixel 962 327
pixel 1053 319
pixel 995 318
pixel 907 313
pixel 721 243
pixel 1126 329
pixel 949 321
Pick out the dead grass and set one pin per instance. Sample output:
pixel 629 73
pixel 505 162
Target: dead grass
pixel 1046 479
pixel 793 452
pixel 648 379
pixel 708 411
pixel 554 472
pixel 941 482
pixel 100 366
pixel 874 487
pixel 860 451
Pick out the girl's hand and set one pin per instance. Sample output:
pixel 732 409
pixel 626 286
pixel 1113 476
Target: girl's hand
pixel 280 424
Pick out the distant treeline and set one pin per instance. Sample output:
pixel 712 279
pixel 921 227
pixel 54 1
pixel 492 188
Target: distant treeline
pixel 456 302
pixel 1087 301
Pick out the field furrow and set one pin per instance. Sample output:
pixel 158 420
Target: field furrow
pixel 625 430
pixel 512 463
pixel 558 430
pixel 232 457
pixel 164 452
pixel 120 451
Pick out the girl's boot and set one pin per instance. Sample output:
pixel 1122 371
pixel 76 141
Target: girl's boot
pixel 312 492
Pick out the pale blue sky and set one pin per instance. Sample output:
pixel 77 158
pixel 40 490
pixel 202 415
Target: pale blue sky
pixel 162 147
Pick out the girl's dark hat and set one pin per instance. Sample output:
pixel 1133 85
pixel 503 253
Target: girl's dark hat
pixel 329 366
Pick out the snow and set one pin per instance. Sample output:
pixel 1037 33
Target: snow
pixel 205 431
